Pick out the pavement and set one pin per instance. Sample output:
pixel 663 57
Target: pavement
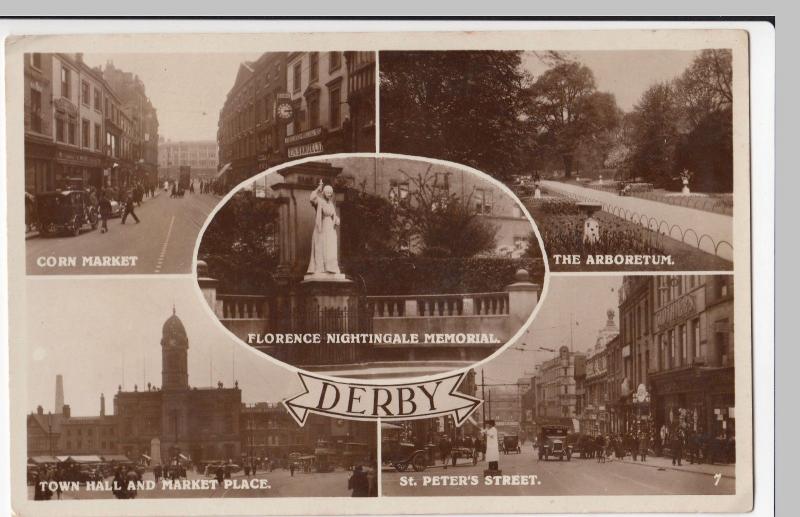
pixel 682 223
pixel 280 484
pixel 555 477
pixel 163 243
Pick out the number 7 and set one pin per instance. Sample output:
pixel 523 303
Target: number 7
pixel 717 477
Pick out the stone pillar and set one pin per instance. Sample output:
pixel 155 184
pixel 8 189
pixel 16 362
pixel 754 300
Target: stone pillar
pixel 208 285
pixel 523 295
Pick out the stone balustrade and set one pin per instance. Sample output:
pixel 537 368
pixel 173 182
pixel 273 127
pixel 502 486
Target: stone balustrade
pixel 439 305
pixel 241 306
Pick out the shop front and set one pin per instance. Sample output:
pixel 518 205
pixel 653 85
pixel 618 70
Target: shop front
pixel 39 172
pixel 698 399
pixel 76 169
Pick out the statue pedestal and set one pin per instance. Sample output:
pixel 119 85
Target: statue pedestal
pixel 328 304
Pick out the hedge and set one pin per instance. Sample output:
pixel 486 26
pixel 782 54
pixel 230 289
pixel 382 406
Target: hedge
pixel 428 275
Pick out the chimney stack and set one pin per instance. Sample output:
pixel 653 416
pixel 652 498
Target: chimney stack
pixel 59 393
pixel 102 405
pixel 65 411
pixel 39 410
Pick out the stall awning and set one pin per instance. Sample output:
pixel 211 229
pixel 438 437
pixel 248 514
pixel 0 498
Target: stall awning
pixel 39 460
pixel 386 425
pixel 86 459
pixel 223 170
pixel 119 458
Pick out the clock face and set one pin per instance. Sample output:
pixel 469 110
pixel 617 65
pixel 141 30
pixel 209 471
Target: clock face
pixel 285 111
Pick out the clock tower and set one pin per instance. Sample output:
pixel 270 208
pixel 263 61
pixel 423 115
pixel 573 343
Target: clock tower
pixel 174 351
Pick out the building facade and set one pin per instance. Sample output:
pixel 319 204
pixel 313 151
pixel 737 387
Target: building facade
pixel 250 131
pixel 596 416
pixel 676 353
pixel 692 368
pixel 559 386
pixel 285 106
pixel 83 127
pixel 141 126
pixel 200 155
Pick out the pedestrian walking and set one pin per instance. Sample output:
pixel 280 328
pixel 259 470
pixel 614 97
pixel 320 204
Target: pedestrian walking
pixel 644 444
pixel 104 206
pixel 444 449
pixel 358 482
pixel 676 444
pixel 129 209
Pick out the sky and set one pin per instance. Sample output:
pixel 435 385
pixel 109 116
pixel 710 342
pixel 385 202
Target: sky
pixel 88 330
pixel 581 299
pixel 624 73
pixel 187 90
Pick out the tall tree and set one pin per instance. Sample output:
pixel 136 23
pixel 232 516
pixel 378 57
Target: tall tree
pixel 705 90
pixel 655 135
pixel 462 106
pixel 567 111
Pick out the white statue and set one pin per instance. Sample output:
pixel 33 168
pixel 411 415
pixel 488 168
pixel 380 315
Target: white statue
pixel 324 241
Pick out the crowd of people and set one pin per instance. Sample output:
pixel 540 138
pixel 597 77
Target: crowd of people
pixel 680 443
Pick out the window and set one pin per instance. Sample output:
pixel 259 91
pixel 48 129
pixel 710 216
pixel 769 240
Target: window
pixel 36 110
pixel 335 101
pixel 97 102
pixel 60 129
pixel 313 67
pixel 684 346
pixel 72 129
pixel 97 136
pixel 297 74
pixel 483 201
pixel 85 133
pixel 85 93
pixel 65 82
pixel 36 60
pixel 334 61
pixel 313 111
pixel 696 337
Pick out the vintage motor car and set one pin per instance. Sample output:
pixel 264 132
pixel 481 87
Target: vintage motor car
pixel 65 211
pixel 511 444
pixel 400 454
pixel 553 442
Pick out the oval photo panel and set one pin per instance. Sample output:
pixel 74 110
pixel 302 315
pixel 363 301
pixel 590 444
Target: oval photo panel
pixel 372 267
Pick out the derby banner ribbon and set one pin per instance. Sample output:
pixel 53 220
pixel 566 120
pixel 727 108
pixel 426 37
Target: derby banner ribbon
pixel 423 399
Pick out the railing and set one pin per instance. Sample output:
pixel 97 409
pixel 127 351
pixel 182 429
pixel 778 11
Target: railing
pixel 439 305
pixel 241 306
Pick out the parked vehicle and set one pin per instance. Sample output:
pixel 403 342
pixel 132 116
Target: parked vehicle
pixel 464 452
pixel 65 210
pixel 400 454
pixel 553 442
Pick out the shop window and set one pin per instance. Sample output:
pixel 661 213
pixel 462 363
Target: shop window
pixel 313 67
pixel 335 107
pixel 334 61
pixel 65 82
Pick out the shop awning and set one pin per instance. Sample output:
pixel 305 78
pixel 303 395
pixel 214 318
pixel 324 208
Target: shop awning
pixel 223 170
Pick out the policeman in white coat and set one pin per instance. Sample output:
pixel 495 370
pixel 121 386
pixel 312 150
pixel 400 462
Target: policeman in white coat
pixel 492 448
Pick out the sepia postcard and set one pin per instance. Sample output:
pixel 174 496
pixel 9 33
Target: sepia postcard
pixel 431 273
